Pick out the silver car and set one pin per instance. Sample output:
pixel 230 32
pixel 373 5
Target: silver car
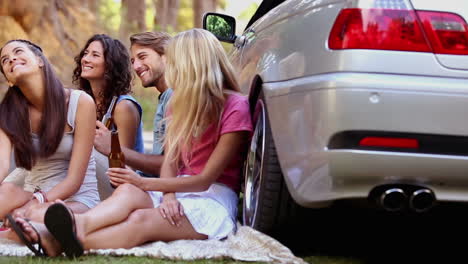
pixel 352 99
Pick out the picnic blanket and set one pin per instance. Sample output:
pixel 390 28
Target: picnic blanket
pixel 246 244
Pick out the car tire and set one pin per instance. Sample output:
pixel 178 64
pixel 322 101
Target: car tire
pixel 267 204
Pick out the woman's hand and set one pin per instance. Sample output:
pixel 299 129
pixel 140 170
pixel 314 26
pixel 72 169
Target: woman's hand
pixel 120 176
pixel 171 209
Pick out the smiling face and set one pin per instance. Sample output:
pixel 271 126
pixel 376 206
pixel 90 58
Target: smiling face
pixel 18 61
pixel 148 64
pixel 92 63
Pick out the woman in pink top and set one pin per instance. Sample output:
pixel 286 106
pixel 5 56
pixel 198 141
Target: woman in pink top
pixel 196 197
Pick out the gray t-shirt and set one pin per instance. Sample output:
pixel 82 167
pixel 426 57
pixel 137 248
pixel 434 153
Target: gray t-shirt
pixel 159 125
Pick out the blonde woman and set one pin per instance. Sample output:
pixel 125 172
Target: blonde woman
pixel 196 197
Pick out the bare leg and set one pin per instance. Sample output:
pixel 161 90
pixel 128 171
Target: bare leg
pixel 77 207
pixel 12 197
pixel 36 213
pixel 141 226
pixel 124 200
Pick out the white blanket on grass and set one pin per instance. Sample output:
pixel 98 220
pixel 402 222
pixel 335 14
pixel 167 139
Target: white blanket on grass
pixel 246 244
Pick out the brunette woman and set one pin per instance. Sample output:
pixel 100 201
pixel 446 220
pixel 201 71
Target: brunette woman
pixel 103 70
pixel 50 131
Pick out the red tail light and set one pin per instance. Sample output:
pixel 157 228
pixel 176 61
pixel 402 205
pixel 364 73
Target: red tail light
pixel 447 32
pixel 376 28
pixel 388 142
pixel 400 29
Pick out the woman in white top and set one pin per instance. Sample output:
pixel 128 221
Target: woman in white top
pixel 50 132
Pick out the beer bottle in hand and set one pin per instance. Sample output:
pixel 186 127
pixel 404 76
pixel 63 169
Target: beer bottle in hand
pixel 107 118
pixel 116 157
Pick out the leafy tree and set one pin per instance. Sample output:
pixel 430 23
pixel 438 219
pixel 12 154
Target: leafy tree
pixel 218 26
pixel 109 15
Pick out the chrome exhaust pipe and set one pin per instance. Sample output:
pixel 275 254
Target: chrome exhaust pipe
pixel 421 200
pixel 393 199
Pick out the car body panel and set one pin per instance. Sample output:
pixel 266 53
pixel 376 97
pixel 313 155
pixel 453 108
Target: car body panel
pixel 305 113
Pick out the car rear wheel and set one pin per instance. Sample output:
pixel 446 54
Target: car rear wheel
pixel 267 204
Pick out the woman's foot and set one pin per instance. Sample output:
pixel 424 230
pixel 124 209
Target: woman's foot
pixel 9 234
pixel 31 233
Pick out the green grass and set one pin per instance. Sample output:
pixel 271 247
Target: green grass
pixel 332 260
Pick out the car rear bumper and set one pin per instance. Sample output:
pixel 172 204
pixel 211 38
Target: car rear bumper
pixel 306 113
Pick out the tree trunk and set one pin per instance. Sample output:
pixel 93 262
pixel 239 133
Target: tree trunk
pixel 165 18
pixel 160 16
pixel 133 17
pixel 200 7
pixel 26 13
pixel 51 14
pixel 60 27
pixel 93 6
pixel 173 11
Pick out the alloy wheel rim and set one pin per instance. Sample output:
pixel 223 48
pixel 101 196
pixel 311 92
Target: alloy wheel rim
pixel 254 167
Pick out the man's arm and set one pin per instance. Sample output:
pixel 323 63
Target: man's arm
pixel 148 163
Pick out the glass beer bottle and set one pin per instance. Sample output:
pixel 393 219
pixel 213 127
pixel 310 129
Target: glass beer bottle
pixel 116 157
pixel 107 118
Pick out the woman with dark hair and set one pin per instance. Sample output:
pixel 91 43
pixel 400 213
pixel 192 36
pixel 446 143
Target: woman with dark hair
pixel 50 131
pixel 103 70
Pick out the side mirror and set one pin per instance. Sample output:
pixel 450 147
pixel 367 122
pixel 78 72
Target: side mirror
pixel 222 26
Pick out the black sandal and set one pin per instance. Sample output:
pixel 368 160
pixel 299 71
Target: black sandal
pixel 39 251
pixel 61 224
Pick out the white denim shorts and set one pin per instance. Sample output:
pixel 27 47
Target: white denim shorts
pixel 212 212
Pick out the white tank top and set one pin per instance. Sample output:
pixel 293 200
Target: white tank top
pixel 48 172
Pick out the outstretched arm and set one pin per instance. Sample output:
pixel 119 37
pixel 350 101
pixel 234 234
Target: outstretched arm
pixel 148 163
pixel 226 149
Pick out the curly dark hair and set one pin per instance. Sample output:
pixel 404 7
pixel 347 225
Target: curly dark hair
pixel 117 74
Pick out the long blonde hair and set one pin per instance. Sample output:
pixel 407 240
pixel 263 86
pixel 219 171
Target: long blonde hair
pixel 200 73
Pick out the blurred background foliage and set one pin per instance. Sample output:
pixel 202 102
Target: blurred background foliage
pixel 61 27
